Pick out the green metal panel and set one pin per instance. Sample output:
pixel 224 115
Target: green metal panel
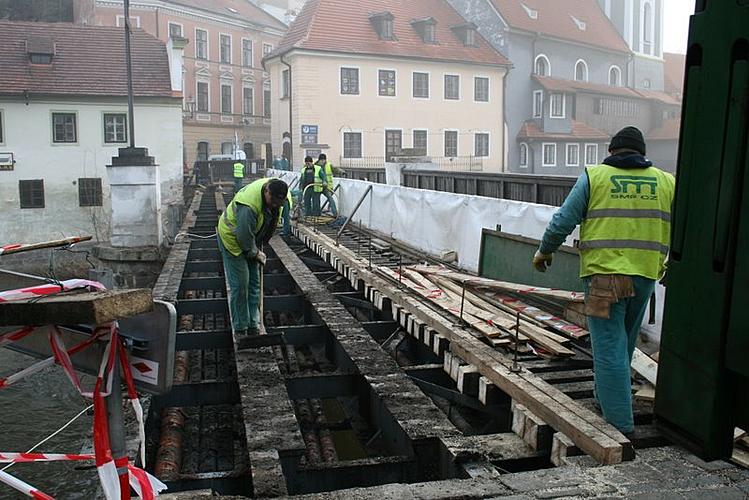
pixel 508 257
pixel 702 382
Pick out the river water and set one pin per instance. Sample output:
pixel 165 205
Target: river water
pixel 32 410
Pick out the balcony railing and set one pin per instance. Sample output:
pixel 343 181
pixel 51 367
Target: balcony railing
pixel 363 162
pixel 459 163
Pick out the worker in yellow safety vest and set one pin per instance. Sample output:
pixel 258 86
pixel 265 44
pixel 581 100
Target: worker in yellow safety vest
pixel 312 182
pixel 238 175
pixel 623 207
pixel 328 188
pixel 247 223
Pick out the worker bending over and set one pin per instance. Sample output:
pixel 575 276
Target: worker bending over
pixel 328 187
pixel 247 223
pixel 624 210
pixel 312 182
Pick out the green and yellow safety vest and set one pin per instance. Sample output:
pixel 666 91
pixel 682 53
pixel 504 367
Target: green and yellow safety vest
pixel 252 196
pixel 329 173
pixel 238 170
pixel 628 224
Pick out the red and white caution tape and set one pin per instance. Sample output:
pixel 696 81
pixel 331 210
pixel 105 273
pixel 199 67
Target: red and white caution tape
pixel 48 289
pixel 23 487
pixel 17 458
pixel 10 337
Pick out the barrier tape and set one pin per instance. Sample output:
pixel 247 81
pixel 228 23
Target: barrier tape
pixel 23 487
pixel 48 289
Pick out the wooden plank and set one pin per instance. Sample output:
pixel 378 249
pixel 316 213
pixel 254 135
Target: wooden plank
pixel 72 308
pixel 646 393
pixel 588 431
pixel 645 366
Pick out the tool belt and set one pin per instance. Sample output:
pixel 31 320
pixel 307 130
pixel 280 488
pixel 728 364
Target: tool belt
pixel 604 290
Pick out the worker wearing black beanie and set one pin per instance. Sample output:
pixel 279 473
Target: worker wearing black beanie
pixel 628 138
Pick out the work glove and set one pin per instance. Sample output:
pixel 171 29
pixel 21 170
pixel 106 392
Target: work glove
pixel 541 261
pixel 260 257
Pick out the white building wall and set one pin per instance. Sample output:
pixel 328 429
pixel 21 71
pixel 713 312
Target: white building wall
pixel 28 135
pixel 316 100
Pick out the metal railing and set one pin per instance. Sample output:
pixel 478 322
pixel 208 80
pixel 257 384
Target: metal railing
pixel 459 163
pixel 362 163
pixel 544 189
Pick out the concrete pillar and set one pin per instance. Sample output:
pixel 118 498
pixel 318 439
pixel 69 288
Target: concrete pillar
pixel 136 199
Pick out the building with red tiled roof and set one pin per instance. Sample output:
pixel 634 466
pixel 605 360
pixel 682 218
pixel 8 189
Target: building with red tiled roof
pixel 575 62
pixel 63 116
pixel 226 91
pixel 675 65
pixel 360 80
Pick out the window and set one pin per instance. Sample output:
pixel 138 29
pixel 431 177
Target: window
pixel 202 151
pixel 420 142
pixel 89 192
pixel 31 193
pixel 203 97
pixel 386 82
pixel 248 101
pixel 41 58
pixel 352 144
pixel 64 127
pixel 350 81
pixel 227 148
pixel 538 103
pixel 646 83
pixel 591 154
pixel 615 107
pixel 573 155
pixel 523 155
pixel 549 155
pixel 226 99
pixel 429 33
pixel 481 89
pixel 481 145
pixel 421 85
pixel 387 29
pixel 266 103
pixel 115 127
pixel 247 53
pixel 201 44
pixel 175 30
pixel 581 71
pixel 647 28
pixel 249 150
pixel 225 48
pixel 451 143
pixel 470 38
pixel 285 84
pixel 557 105
pixel 267 49
pixel 134 21
pixel 541 66
pixel 615 76
pixel 452 87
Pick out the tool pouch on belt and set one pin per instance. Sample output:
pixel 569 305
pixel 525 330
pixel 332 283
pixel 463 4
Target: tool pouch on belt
pixel 604 290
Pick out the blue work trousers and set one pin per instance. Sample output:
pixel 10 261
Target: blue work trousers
pixel 613 342
pixel 331 201
pixel 286 218
pixel 244 289
pixel 311 202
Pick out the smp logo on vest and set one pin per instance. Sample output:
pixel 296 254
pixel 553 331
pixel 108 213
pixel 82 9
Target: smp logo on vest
pixel 634 186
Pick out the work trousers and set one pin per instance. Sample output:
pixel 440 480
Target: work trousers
pixel 244 289
pixel 331 201
pixel 613 342
pixel 237 184
pixel 311 202
pixel 286 218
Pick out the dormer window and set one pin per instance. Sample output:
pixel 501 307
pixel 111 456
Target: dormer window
pixel 383 24
pixel 466 33
pixel 426 27
pixel 40 49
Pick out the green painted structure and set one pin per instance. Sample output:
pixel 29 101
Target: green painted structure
pixel 703 378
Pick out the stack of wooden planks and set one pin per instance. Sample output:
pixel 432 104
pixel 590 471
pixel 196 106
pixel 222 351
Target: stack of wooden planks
pixel 485 306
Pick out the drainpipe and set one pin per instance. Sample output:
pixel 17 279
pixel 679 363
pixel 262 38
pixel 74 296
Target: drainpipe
pixel 291 128
pixel 505 127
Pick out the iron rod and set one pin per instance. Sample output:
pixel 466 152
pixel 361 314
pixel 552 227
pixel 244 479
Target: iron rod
pixel 353 212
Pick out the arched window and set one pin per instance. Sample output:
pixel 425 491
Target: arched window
pixel 615 76
pixel 249 150
pixel 202 151
pixel 227 148
pixel 646 83
pixel 647 28
pixel 581 71
pixel 523 154
pixel 541 66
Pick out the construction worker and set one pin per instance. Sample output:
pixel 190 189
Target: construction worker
pixel 624 210
pixel 238 175
pixel 286 214
pixel 247 223
pixel 328 187
pixel 314 176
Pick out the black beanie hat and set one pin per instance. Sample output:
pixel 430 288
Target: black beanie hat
pixel 628 138
pixel 277 188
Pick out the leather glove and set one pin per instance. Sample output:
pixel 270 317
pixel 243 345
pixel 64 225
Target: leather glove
pixel 541 261
pixel 260 257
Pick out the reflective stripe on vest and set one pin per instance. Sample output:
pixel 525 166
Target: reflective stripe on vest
pixel 251 196
pixel 238 170
pixel 628 222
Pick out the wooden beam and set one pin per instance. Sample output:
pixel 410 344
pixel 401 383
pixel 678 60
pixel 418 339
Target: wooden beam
pixel 71 308
pixel 587 430
pixel 645 366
